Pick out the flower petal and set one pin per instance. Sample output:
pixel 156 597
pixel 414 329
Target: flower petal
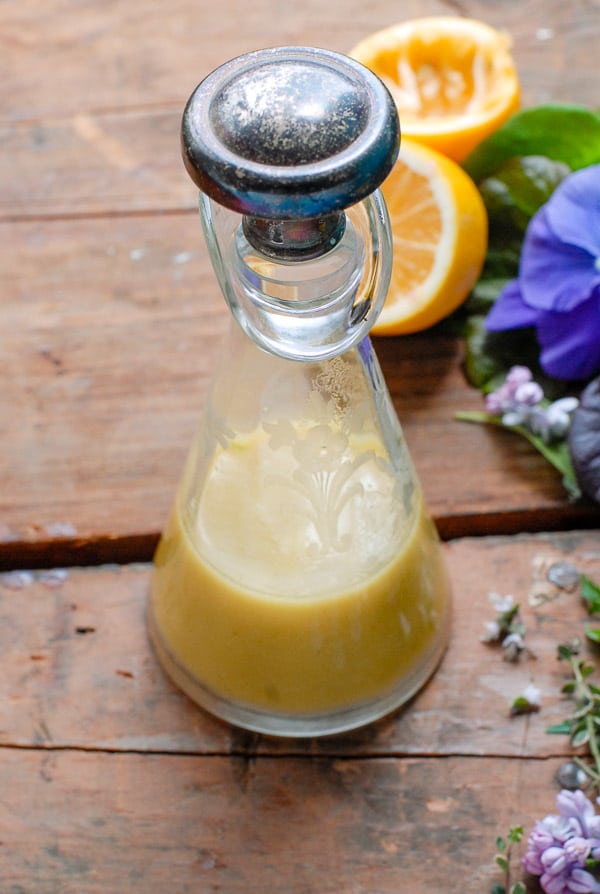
pixel 570 342
pixel 583 882
pixel 510 311
pixel 554 275
pixel 574 210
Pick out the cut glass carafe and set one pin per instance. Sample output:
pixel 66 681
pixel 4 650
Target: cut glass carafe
pixel 299 588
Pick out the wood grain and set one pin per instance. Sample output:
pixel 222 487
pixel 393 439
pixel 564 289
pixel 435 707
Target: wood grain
pixel 66 58
pixel 111 313
pixel 91 126
pixel 111 329
pixel 108 823
pixel 111 779
pixel 79 673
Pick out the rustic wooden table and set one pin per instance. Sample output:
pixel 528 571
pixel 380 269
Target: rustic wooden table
pixel 111 780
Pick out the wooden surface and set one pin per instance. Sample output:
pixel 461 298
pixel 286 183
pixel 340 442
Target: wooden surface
pixel 111 315
pixel 110 777
pixel 111 780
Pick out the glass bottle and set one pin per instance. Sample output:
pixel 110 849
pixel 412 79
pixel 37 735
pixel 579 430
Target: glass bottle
pixel 299 588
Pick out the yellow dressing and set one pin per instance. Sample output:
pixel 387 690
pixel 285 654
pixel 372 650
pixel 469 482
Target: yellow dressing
pixel 263 604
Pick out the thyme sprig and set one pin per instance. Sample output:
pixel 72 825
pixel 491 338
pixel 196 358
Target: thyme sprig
pixel 583 725
pixel 503 860
pixel 563 850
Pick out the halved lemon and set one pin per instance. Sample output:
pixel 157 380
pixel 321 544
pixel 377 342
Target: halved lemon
pixel 439 228
pixel 454 80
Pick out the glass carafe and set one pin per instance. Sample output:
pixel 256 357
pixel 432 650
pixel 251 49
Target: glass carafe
pixel 299 588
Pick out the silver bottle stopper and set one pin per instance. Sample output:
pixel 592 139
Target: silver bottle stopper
pixel 289 137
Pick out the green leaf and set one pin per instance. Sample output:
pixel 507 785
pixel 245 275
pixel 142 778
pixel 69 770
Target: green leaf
pixel 580 715
pixel 511 196
pixel 518 189
pixel 515 834
pixel 563 132
pixel 522 706
pixel 502 862
pixel 481 367
pixel 590 592
pixel 498 889
pixel 518 888
pixel 568 688
pixel 592 633
pixel 557 454
pixel 490 355
pixel 562 729
pixel 500 843
pixel 502 258
pixel 580 737
pixel 484 294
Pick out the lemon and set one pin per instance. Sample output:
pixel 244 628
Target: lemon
pixel 439 228
pixel 454 80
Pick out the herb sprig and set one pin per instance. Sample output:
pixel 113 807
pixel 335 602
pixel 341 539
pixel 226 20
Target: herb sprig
pixel 563 849
pixel 583 724
pixel 503 860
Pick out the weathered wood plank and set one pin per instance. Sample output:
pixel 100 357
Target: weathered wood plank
pixel 78 670
pixel 107 344
pixel 72 822
pixel 126 162
pixel 91 125
pixel 83 137
pixel 111 327
pixel 66 58
pixel 110 330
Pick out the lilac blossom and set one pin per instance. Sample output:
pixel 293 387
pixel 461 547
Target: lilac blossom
pixel 520 401
pixel 532 695
pixel 512 646
pixel 491 632
pixel 559 846
pixel 506 609
pixel 558 287
pixel 502 604
pixel 579 810
pixel 553 421
pixel 514 392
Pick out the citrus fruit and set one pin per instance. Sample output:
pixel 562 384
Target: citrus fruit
pixel 439 228
pixel 453 80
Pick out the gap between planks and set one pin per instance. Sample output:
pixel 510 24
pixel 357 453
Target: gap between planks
pixel 325 753
pixel 134 548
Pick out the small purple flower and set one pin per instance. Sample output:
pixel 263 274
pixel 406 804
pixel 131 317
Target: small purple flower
pixel 491 633
pixel 552 422
pixel 558 287
pixel 512 646
pixel 579 809
pixel 504 399
pixel 559 846
pixel 519 400
pixel 545 834
pixel 502 604
pixel 516 397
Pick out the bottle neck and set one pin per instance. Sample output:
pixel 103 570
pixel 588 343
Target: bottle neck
pixel 304 309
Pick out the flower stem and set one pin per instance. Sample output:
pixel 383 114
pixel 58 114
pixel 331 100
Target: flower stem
pixel 587 704
pixel 594 748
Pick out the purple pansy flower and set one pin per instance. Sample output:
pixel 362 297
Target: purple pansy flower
pixel 558 288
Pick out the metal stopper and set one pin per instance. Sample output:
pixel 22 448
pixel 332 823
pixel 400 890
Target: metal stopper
pixel 290 134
